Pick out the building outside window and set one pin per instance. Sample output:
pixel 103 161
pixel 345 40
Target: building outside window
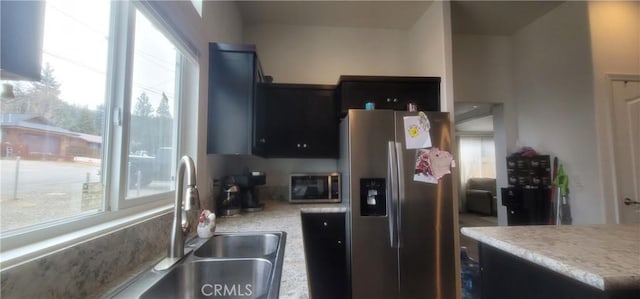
pixel 99 132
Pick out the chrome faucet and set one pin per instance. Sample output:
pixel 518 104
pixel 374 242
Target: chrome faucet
pixel 190 201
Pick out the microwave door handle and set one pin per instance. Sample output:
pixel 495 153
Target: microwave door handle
pixel 392 193
pixel 401 192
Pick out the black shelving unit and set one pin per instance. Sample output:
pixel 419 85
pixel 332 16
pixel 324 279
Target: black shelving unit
pixel 528 196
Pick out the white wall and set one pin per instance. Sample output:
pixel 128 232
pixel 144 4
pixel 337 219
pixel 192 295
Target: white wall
pixel 482 68
pixel 483 71
pixel 319 55
pixel 430 49
pixel 615 44
pixel 553 87
pixel 559 65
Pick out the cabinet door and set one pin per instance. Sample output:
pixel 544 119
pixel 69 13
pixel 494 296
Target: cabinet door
pixel 302 121
pixel 325 254
pixel 285 123
pixel 232 85
pixel 22 26
pixel 390 93
pixel 321 119
pixel 526 206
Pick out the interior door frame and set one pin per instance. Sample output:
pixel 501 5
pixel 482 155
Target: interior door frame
pixel 606 149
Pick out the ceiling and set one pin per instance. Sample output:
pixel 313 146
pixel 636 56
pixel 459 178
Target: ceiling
pixel 370 14
pixel 496 17
pixel 468 17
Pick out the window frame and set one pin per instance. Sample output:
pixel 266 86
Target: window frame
pixel 22 244
pixel 119 182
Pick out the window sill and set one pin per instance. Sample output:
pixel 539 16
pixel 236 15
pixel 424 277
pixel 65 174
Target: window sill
pixel 115 221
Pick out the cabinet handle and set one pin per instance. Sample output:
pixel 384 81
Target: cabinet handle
pixel 298 145
pixel 262 140
pixel 395 100
pixel 388 100
pixel 304 145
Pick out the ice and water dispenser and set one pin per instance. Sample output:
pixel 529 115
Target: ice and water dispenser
pixel 373 197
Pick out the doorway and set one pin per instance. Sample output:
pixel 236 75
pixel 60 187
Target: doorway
pixel 625 124
pixel 477 157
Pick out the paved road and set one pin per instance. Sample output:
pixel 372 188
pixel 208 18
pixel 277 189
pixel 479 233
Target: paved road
pixel 49 190
pixel 46 190
pixel 44 177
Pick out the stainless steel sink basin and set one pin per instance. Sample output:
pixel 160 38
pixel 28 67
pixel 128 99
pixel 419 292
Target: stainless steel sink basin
pixel 228 265
pixel 239 245
pixel 240 278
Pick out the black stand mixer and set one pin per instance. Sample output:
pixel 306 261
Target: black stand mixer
pixel 246 185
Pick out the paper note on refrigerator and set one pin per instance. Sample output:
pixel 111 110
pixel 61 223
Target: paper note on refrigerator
pixel 416 131
pixel 423 171
pixel 432 164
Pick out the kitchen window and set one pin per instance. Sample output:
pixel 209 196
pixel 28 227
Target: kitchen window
pixel 477 156
pixel 98 135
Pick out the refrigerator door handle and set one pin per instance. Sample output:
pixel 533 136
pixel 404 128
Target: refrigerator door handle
pixel 401 195
pixel 392 193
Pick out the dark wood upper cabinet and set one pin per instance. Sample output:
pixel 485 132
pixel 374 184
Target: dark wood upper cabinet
pixel 388 92
pixel 301 121
pixel 234 74
pixel 22 27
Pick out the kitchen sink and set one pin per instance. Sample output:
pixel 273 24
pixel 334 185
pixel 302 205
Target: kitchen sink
pixel 239 245
pixel 238 278
pixel 228 265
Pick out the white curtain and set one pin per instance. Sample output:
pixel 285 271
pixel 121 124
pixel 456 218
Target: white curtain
pixel 477 158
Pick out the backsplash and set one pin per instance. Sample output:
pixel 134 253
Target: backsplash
pixel 277 170
pixel 279 193
pixel 91 268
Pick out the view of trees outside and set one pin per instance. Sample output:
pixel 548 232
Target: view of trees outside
pixel 151 125
pixel 42 98
pixel 36 190
pixel 70 98
pixel 42 179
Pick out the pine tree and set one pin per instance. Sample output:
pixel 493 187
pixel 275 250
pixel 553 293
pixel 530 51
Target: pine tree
pixel 84 121
pixel 44 96
pixel 163 110
pixel 143 106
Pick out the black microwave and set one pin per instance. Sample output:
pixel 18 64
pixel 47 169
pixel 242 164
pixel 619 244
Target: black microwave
pixel 314 187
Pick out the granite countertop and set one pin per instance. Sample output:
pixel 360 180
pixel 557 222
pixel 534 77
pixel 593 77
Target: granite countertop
pixel 281 216
pixel 604 256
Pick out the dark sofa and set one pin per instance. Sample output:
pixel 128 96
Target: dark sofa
pixel 481 196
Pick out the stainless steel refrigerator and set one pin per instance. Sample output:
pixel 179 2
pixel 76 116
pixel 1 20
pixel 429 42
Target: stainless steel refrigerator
pixel 400 231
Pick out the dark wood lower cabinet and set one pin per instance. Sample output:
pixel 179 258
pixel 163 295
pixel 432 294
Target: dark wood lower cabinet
pixel 325 254
pixel 504 275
